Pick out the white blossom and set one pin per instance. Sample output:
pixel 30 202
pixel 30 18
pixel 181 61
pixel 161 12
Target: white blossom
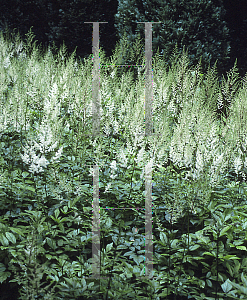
pixel 140 155
pixel 36 161
pixel 107 187
pixel 113 169
pixel 237 164
pixel 123 159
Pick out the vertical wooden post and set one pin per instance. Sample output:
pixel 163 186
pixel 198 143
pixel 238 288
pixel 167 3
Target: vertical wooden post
pixel 148 168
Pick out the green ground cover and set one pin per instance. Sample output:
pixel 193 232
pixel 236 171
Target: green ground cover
pixel 198 174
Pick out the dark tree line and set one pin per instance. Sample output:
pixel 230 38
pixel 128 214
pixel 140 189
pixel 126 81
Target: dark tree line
pixel 213 29
pixel 62 20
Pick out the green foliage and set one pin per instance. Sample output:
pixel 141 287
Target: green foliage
pixel 199 226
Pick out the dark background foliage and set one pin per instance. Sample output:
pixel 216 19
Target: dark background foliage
pixel 187 23
pixel 58 21
pixel 215 29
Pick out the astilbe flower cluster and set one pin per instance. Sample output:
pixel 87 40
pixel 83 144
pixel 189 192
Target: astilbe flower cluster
pixel 36 161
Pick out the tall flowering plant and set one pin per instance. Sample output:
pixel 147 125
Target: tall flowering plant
pixel 39 161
